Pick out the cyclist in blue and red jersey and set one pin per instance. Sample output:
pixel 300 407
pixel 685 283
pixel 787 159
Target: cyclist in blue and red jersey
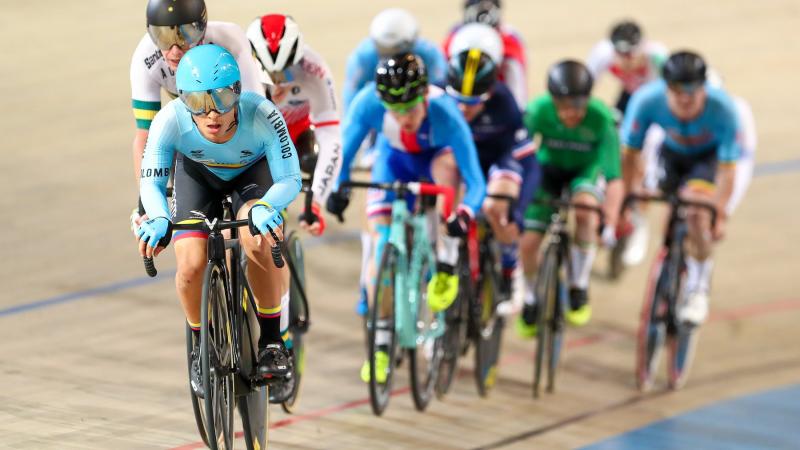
pixel 421 136
pixel 698 159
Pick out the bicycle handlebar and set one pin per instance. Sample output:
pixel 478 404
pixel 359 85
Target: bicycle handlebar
pixel 417 188
pixel 208 226
pixel 674 200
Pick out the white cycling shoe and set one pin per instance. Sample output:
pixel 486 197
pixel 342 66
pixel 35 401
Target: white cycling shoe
pixel 694 309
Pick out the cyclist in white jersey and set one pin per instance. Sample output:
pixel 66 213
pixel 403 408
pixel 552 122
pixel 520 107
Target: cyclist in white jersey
pixel 304 92
pixel 631 59
pixel 173 27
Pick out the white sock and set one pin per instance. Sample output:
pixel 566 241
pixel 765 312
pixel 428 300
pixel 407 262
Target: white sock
pixel 530 290
pixel 698 274
pixel 447 251
pixel 284 313
pixel 382 336
pixel 581 260
pixel 366 252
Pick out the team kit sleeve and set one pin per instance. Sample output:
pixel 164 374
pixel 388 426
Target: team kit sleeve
pixel 600 58
pixel 365 113
pixel 434 61
pixel 281 156
pixel 729 149
pixel 157 162
pixel 145 91
pixel 459 138
pixel 637 119
pixel 609 146
pixel 356 73
pixel 327 130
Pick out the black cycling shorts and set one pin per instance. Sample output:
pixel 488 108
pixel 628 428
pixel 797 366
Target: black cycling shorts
pixel 198 193
pixel 678 169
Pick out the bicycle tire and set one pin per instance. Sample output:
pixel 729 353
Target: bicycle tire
pixel 683 339
pixel 215 340
pixel 383 301
pixel 455 332
pixel 198 406
pixel 547 296
pixel 556 335
pixel 652 327
pixel 429 349
pixel 488 327
pixel 297 315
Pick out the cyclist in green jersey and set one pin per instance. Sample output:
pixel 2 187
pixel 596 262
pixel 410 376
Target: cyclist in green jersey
pixel 578 150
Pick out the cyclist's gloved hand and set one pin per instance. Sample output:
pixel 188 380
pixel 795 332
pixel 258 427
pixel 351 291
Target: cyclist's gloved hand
pixel 608 236
pixel 312 220
pixel 153 231
pixel 265 218
pixel 136 220
pixel 337 203
pixel 458 222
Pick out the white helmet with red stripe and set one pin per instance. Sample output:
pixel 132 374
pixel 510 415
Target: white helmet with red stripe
pixel 276 41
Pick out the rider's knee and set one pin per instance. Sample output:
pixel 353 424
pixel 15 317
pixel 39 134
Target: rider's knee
pixel 190 265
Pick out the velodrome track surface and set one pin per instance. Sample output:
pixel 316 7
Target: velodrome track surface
pixel 91 352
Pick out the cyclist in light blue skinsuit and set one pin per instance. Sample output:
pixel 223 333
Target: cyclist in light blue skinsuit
pixel 392 31
pixel 226 143
pixel 422 136
pixel 698 159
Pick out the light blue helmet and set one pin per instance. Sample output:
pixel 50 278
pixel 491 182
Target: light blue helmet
pixel 207 67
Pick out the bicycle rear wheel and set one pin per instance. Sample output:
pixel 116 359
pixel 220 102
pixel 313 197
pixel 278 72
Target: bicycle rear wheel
pixel 652 325
pixel 547 296
pixel 455 332
pixel 298 315
pixel 216 359
pixel 198 406
pixel 426 357
pixel 683 338
pixel 381 325
pixel 488 327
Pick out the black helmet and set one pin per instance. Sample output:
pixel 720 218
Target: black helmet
pixel 684 67
pixel 401 78
pixel 176 12
pixel 482 11
pixel 471 73
pixel 625 36
pixel 569 78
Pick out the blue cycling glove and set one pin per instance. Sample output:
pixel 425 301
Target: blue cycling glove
pixel 265 218
pixel 153 231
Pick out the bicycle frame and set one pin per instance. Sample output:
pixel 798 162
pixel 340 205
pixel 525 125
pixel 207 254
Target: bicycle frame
pixel 407 279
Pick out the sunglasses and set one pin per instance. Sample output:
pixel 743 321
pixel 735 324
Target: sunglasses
pixel 220 100
pixel 186 35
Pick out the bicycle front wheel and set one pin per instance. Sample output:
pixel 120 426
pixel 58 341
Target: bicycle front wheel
pixel 547 297
pixel 198 405
pixel 488 326
pixel 455 332
pixel 652 325
pixel 216 359
pixel 298 319
pixel 427 355
pixel 381 336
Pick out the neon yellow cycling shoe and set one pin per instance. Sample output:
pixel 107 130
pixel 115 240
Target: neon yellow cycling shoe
pixel 579 312
pixel 442 291
pixel 381 369
pixel 526 322
pixel 524 329
pixel 578 317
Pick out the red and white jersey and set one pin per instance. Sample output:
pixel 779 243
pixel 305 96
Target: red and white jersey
pixel 309 96
pixel 645 66
pixel 513 69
